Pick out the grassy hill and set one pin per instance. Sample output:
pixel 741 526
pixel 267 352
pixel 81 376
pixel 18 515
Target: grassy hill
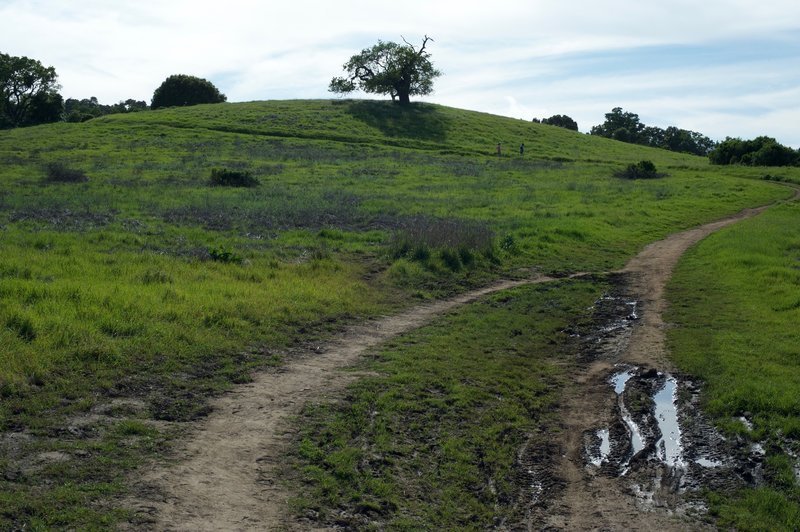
pixel 124 274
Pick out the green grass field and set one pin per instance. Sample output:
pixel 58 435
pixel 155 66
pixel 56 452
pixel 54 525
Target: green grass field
pixel 433 442
pixel 736 302
pixel 145 282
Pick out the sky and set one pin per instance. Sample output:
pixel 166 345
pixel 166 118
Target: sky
pixel 724 68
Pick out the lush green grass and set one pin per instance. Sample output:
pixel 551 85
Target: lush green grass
pixel 433 442
pixel 735 299
pixel 146 282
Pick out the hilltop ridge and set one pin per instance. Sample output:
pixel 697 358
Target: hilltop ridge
pixel 423 126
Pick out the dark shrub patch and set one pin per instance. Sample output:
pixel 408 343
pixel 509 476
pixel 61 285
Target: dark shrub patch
pixel 451 259
pixel 22 326
pixel 640 170
pixel 61 173
pixel 222 177
pixel 225 255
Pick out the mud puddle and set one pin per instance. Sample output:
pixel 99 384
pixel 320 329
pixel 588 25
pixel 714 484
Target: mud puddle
pixel 659 441
pixel 655 438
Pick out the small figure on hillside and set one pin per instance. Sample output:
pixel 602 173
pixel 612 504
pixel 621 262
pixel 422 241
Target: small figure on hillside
pixel 498 149
pixel 522 149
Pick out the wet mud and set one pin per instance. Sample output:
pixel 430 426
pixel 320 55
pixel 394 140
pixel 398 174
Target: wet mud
pixel 652 440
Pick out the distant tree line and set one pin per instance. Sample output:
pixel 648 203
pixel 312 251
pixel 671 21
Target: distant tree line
pixel 29 95
pixel 88 108
pixel 761 151
pixel 626 127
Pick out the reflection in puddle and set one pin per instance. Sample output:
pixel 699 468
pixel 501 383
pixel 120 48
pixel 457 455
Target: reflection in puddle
pixel 620 380
pixel 604 449
pixel 707 462
pixel 637 443
pixel 633 315
pixel 670 448
pixel 605 444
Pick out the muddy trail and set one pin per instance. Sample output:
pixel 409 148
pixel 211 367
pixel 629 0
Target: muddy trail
pixel 636 449
pixel 609 474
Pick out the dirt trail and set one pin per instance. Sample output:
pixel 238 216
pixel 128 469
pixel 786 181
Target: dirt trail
pixel 225 479
pixel 592 500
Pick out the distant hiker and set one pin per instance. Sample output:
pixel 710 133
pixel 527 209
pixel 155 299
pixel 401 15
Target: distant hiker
pixel 522 149
pixel 498 149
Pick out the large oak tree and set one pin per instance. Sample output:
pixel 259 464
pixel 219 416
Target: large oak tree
pixel 28 92
pixel 399 70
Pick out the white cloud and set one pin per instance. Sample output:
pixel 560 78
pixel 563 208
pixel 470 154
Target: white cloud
pixel 513 57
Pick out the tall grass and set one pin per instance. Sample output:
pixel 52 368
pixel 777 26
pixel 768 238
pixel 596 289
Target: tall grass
pixel 735 300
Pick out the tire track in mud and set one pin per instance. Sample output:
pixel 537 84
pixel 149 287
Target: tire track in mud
pixel 226 474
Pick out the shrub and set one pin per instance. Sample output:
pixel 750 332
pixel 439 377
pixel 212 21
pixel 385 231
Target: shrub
pixel 224 255
pixel 222 177
pixel 509 244
pixel 61 173
pixel 451 259
pixel 561 121
pixel 640 170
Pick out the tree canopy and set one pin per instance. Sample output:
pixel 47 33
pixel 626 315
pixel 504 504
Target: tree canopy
pixel 181 89
pixel 561 121
pixel 761 151
pixel 399 70
pixel 626 127
pixel 28 92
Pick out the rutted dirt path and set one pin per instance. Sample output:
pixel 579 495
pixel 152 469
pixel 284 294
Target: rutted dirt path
pixel 225 479
pixel 594 499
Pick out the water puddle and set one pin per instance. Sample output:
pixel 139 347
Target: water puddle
pixel 600 454
pixel 708 463
pixel 758 449
pixel 637 443
pixel 620 379
pixel 605 444
pixel 669 447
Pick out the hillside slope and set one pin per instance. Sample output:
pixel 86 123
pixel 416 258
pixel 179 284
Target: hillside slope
pixel 131 290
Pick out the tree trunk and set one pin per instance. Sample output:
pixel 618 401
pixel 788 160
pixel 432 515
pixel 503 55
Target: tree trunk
pixel 403 97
